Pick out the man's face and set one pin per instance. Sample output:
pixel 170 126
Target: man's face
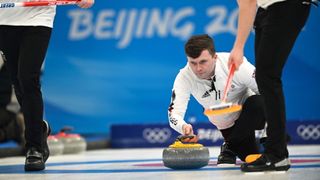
pixel 203 66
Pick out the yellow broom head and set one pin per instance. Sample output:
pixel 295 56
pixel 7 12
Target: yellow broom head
pixel 223 109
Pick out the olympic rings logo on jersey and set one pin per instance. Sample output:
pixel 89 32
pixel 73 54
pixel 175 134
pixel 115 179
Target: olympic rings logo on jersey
pixel 308 132
pixel 156 135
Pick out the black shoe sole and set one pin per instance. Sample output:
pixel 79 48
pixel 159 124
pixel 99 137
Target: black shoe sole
pixel 265 169
pixel 34 167
pixel 226 165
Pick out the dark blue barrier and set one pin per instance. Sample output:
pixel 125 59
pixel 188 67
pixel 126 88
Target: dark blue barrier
pixel 161 135
pixel 304 132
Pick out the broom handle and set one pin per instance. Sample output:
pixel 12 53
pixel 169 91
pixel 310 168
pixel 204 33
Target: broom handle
pixel 229 80
pixel 38 3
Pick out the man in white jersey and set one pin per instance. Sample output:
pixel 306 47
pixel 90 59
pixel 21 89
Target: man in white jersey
pixel 277 24
pixel 204 77
pixel 24 38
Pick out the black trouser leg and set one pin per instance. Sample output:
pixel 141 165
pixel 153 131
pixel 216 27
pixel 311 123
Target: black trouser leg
pixel 5 85
pixel 5 95
pixel 276 31
pixel 241 136
pixel 25 49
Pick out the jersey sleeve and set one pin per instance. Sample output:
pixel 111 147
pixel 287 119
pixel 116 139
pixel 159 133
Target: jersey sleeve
pixel 179 101
pixel 246 76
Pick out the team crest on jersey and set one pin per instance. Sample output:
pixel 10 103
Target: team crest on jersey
pixel 173 120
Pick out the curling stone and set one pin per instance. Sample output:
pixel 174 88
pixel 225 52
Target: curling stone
pixel 180 155
pixel 55 145
pixel 73 143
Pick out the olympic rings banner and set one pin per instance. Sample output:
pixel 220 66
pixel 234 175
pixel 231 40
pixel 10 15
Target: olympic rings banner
pixel 116 62
pixel 161 135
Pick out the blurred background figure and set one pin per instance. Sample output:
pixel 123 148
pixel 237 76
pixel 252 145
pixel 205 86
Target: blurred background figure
pixel 11 119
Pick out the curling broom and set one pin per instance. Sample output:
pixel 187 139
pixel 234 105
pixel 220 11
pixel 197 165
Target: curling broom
pixel 38 3
pixel 224 107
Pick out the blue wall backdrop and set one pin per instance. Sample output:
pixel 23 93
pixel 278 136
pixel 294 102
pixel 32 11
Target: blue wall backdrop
pixel 116 62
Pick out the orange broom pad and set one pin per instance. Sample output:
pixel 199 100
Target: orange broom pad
pixel 252 157
pixel 232 108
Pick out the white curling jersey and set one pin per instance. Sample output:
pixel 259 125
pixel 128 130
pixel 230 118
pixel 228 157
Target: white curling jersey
pixel 266 3
pixel 210 92
pixel 27 16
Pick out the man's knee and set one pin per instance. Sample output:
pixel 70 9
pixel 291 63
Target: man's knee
pixel 255 104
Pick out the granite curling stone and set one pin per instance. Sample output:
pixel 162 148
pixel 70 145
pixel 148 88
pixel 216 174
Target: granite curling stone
pixel 182 155
pixel 73 143
pixel 55 145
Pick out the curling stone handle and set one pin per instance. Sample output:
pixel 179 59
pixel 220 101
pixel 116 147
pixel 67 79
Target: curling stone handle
pixel 187 138
pixel 66 129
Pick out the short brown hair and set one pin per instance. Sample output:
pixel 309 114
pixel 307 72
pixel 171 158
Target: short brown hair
pixel 197 43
